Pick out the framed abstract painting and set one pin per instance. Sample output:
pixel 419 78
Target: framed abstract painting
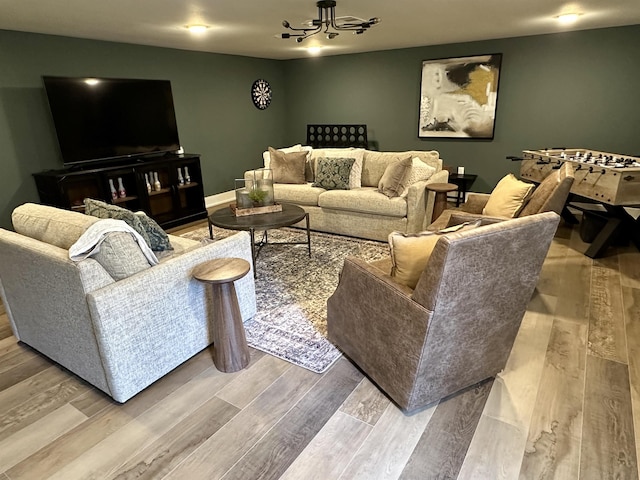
pixel 458 97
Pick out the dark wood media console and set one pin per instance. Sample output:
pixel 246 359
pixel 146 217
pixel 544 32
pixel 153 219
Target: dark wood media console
pixel 174 204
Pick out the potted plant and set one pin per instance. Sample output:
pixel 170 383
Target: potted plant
pixel 257 196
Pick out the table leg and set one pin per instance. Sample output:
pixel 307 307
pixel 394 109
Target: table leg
pixel 568 217
pixel 308 234
pixel 439 205
pixel 230 349
pixel 252 233
pixel 210 228
pixel 603 239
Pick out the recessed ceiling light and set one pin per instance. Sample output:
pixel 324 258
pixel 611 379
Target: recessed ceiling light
pixel 197 28
pixel 314 50
pixel 91 81
pixel 568 18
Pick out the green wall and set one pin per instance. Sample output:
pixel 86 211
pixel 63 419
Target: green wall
pixel 215 115
pixel 572 89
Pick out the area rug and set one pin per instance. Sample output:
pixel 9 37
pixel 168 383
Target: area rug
pixel 292 291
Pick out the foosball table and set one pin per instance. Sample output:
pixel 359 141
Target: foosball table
pixel 609 179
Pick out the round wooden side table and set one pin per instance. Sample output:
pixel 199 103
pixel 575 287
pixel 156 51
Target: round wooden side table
pixel 441 190
pixel 230 349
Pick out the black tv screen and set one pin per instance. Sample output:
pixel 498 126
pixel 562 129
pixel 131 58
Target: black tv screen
pixel 107 118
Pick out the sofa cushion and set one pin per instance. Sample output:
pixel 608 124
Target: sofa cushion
pixel 51 225
pixel 120 256
pixel 181 245
pixel 158 238
pixel 148 229
pixel 298 194
pixel 540 199
pixel 364 200
pixel 288 167
pixel 266 155
pixel 333 173
pixel 355 179
pixel 508 197
pixel 410 253
pixel 309 173
pixel 394 179
pixel 375 163
pixel 420 171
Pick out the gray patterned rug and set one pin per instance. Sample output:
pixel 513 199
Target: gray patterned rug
pixel 292 291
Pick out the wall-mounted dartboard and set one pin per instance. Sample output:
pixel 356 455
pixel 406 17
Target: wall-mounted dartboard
pixel 261 94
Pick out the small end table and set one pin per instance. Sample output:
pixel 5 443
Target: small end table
pixel 230 349
pixel 441 190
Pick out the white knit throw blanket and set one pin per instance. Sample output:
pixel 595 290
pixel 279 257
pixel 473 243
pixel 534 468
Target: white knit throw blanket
pixel 90 241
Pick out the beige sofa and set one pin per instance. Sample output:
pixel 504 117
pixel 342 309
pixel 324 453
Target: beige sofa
pixel 121 334
pixel 364 212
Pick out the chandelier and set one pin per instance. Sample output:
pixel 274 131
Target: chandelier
pixel 328 23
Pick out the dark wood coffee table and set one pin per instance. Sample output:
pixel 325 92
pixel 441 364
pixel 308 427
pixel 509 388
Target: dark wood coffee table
pixel 290 215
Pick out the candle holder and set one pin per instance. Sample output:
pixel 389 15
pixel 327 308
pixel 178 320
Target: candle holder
pixel 260 185
pixel 254 193
pixel 242 194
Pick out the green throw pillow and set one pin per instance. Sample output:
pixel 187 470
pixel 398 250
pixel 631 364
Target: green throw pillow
pixel 158 238
pixel 333 173
pixel 148 229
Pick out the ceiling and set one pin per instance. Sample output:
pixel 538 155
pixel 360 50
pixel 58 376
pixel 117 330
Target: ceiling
pixel 250 27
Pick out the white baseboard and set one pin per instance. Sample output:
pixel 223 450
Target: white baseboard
pixel 213 201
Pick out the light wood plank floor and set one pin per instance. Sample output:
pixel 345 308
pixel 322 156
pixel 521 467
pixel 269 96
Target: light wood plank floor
pixel 567 405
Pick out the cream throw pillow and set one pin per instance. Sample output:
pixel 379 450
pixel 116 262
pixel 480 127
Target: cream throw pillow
pixel 508 198
pixel 411 252
pixel 419 171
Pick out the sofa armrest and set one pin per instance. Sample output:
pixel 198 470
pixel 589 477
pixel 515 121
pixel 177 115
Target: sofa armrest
pixel 475 202
pixel 159 317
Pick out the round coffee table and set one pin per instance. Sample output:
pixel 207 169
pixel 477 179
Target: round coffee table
pixel 290 215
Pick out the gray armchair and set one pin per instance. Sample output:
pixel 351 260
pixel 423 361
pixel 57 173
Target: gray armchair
pixel 549 196
pixel 457 327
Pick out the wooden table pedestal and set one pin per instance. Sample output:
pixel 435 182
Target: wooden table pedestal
pixel 441 190
pixel 230 349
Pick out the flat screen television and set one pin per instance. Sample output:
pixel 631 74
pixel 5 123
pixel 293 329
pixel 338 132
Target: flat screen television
pixel 99 119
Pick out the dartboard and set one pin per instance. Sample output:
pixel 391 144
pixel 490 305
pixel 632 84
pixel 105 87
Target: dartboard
pixel 261 94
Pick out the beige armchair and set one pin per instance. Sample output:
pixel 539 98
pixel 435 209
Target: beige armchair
pixel 457 327
pixel 549 196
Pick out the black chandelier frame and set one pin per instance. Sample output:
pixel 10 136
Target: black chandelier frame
pixel 325 22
